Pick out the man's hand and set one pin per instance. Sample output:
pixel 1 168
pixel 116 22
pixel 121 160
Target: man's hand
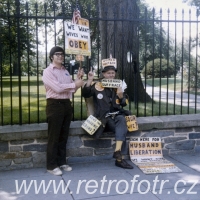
pixel 78 83
pixel 80 73
pixel 91 74
pixel 90 77
pixel 120 93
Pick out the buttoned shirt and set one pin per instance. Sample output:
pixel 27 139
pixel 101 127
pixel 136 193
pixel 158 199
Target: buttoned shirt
pixel 56 81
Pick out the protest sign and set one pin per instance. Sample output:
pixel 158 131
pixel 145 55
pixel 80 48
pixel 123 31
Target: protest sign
pixel 83 22
pixel 131 123
pixel 146 153
pixel 111 83
pixel 109 62
pixel 77 39
pixel 79 58
pixel 91 124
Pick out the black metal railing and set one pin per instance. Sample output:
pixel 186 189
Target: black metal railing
pixel 165 47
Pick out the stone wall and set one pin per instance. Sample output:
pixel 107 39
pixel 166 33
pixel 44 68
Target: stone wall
pixel 25 146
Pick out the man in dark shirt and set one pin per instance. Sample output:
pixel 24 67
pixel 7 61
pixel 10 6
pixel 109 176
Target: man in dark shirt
pixel 108 105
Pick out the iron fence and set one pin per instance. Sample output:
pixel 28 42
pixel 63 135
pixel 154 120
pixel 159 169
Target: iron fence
pixel 164 47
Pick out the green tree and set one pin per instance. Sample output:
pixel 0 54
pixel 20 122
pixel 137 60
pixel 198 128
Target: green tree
pixel 15 38
pixel 154 40
pixel 118 38
pixel 194 3
pixel 191 73
pixel 159 68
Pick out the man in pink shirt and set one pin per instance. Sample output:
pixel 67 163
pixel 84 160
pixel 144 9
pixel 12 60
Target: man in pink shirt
pixel 59 88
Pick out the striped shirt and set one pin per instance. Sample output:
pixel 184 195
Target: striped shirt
pixel 58 83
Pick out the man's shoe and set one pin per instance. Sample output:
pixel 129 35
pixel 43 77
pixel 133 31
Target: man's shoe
pixel 55 171
pixel 123 164
pixel 66 168
pixel 117 155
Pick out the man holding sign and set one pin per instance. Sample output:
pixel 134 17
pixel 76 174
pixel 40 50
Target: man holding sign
pixel 108 105
pixel 59 89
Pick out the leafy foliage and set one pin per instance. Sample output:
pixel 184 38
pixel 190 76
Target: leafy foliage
pixel 158 68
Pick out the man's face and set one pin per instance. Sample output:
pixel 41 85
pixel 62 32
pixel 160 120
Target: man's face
pixel 58 57
pixel 110 74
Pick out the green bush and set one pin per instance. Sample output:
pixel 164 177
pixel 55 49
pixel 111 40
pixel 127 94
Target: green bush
pixel 192 74
pixel 158 69
pixel 5 70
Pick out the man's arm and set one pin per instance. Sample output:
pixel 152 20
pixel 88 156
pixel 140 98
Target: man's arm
pixel 86 91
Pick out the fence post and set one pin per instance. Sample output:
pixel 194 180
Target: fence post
pixel 17 15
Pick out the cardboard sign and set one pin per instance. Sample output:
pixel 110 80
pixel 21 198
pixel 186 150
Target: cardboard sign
pixel 144 147
pixel 77 39
pixel 131 123
pixel 109 62
pixel 111 83
pixel 146 153
pixel 83 22
pixel 79 58
pixel 91 124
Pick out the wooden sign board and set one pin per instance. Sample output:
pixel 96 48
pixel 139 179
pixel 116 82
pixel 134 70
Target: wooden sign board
pixel 79 58
pixel 109 62
pixel 111 83
pixel 91 124
pixel 131 123
pixel 83 22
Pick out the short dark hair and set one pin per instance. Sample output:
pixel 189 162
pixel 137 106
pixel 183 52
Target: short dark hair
pixel 55 49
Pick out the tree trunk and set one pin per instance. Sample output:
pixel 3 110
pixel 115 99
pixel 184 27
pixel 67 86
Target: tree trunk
pixel 118 31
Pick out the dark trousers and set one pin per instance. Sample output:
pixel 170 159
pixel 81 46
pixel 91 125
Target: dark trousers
pixel 59 115
pixel 119 127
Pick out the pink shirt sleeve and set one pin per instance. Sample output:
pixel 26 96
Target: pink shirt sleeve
pixel 51 81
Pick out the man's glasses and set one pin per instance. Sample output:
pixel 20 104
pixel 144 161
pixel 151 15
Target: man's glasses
pixel 59 54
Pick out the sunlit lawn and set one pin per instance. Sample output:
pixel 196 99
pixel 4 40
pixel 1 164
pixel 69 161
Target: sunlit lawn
pixel 172 84
pixel 33 103
pixel 169 83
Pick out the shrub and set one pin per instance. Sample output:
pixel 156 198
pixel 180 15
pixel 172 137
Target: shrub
pixel 158 69
pixel 5 70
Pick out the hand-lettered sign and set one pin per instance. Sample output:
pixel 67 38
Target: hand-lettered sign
pixel 91 124
pixel 77 39
pixel 111 83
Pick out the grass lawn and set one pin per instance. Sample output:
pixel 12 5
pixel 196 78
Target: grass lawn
pixel 172 84
pixel 33 102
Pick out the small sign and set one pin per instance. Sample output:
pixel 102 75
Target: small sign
pixel 79 57
pixel 109 62
pixel 83 22
pixel 111 83
pixel 131 123
pixel 91 124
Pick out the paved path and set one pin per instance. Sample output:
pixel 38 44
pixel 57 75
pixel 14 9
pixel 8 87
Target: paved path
pixel 156 94
pixel 103 181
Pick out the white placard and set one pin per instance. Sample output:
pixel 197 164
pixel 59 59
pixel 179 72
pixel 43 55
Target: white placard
pixel 91 124
pixel 111 83
pixel 77 39
pixel 109 62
